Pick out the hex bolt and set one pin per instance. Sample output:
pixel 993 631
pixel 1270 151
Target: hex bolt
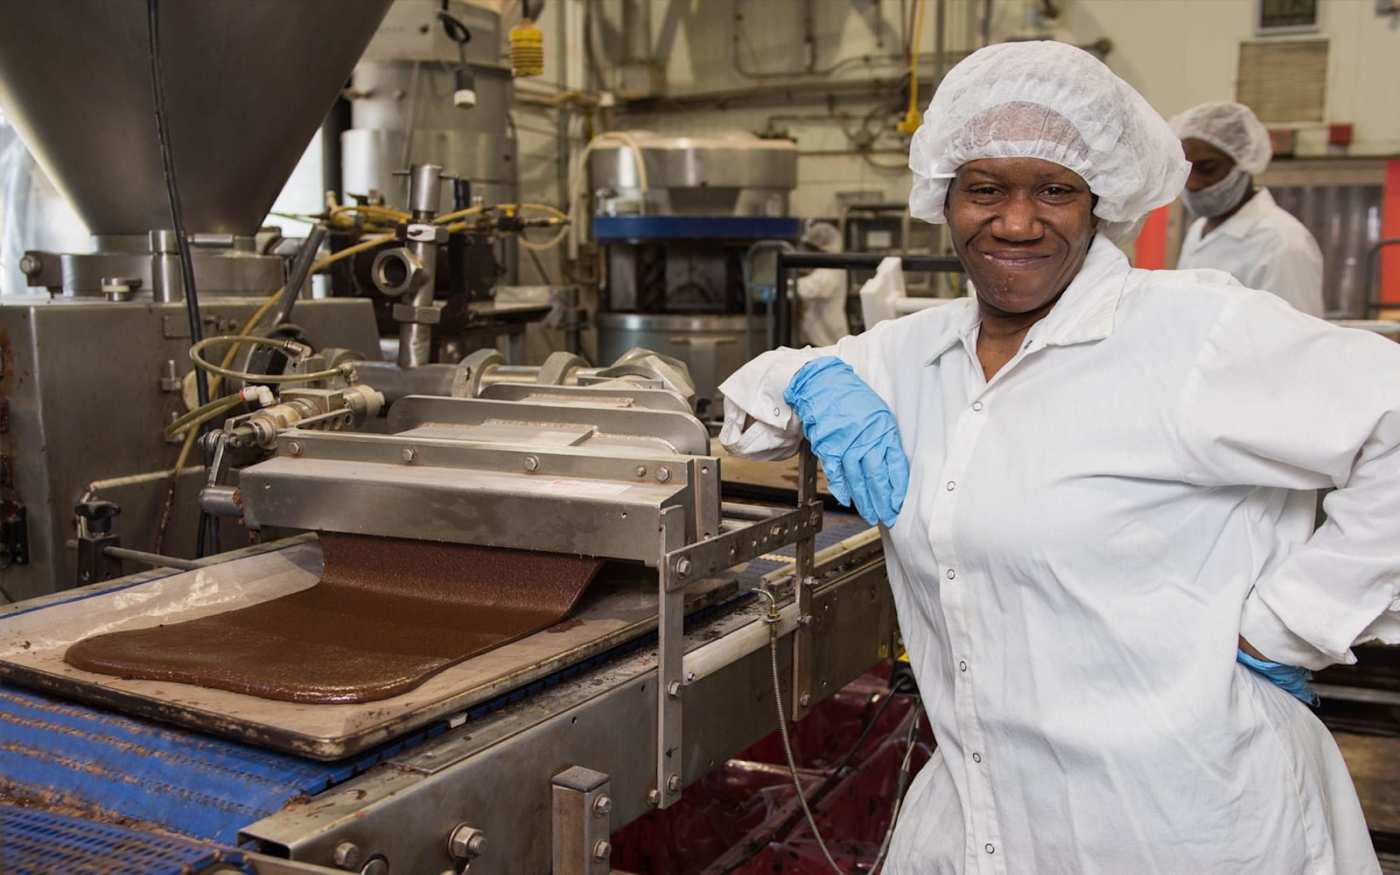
pixel 602 806
pixel 294 447
pixel 663 474
pixel 673 783
pixel 601 850
pixel 654 798
pixel 641 470
pixel 375 866
pixel 410 455
pixel 806 699
pixel 348 856
pixel 673 689
pixel 466 843
pixel 532 463
pixel 683 566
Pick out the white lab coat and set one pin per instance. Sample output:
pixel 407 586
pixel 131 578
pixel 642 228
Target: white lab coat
pixel 823 296
pixel 1264 247
pixel 1084 539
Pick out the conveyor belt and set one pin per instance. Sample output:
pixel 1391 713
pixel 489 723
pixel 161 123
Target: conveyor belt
pixel 136 772
pixel 39 843
pixel 97 762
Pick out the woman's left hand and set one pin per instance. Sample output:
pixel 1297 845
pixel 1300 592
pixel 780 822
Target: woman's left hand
pixel 1289 678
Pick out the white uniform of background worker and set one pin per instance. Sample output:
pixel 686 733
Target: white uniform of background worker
pixel 823 291
pixel 1240 229
pixel 1096 493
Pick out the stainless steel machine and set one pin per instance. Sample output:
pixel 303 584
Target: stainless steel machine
pixel 420 96
pixel 677 216
pixel 711 621
pixel 94 364
pixel 521 760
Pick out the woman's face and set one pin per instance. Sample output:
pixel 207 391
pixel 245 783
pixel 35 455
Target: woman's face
pixel 1022 228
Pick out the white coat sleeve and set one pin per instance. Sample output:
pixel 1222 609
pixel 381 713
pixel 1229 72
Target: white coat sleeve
pixel 756 390
pixel 1294 273
pixel 1280 399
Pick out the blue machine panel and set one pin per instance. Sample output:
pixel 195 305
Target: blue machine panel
pixel 619 229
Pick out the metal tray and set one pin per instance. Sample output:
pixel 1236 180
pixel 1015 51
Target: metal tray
pixel 619 606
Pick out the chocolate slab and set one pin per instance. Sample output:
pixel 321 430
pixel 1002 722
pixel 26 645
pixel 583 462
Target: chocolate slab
pixel 386 615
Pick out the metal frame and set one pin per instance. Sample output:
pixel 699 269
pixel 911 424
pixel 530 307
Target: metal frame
pixel 780 327
pixel 500 772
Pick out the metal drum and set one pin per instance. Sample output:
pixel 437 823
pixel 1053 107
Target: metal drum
pixel 713 346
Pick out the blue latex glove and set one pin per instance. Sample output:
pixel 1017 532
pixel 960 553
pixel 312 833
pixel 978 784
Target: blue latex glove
pixel 854 435
pixel 1290 678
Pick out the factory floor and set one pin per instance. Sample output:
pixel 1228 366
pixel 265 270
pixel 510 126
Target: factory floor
pixel 1374 762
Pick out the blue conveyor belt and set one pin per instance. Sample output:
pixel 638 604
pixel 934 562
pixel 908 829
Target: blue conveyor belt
pixel 836 527
pixel 40 843
pixel 67 754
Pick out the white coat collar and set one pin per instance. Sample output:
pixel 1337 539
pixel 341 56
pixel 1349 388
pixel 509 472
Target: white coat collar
pixel 1243 221
pixel 1085 313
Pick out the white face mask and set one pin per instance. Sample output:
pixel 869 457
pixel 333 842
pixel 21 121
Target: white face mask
pixel 1219 198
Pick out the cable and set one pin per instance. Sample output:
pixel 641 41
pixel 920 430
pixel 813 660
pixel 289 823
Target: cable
pixel 787 742
pixel 287 346
pixel 172 189
pixel 772 620
pixel 899 788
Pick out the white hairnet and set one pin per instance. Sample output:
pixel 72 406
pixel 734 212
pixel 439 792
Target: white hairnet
pixel 1233 128
pixel 1055 102
pixel 823 236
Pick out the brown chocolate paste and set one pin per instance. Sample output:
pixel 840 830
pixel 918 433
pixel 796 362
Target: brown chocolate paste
pixel 387 614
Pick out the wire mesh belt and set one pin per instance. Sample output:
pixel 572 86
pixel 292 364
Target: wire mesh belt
pixel 33 842
pixel 386 615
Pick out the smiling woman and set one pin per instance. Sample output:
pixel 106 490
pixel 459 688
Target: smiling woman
pixel 1022 228
pixel 1096 488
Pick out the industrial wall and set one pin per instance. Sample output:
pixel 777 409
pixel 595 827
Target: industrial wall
pixel 750 64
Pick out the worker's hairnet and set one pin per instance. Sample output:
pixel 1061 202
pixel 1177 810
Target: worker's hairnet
pixel 1233 128
pixel 1055 102
pixel 823 236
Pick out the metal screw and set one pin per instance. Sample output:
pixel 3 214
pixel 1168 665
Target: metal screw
pixel 641 470
pixel 806 699
pixel 294 447
pixel 683 567
pixel 690 677
pixel 532 463
pixel 348 855
pixel 673 783
pixel 663 474
pixel 654 797
pixel 409 455
pixel 601 850
pixel 466 843
pixel 602 806
pixel 673 689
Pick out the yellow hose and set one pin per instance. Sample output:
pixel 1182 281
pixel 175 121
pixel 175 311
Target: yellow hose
pixel 284 345
pixel 913 118
pixel 201 415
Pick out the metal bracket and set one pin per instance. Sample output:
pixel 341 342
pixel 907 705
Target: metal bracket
pixel 804 641
pixel 670 663
pixel 582 805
